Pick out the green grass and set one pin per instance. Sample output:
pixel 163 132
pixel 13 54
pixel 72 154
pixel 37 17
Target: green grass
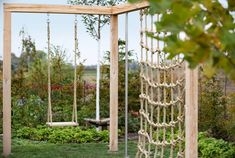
pixel 29 149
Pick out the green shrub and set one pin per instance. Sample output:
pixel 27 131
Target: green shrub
pixel 103 136
pixel 133 123
pixel 215 148
pixel 26 133
pixel 28 112
pixel 62 135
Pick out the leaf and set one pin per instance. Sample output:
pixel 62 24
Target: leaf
pixel 231 5
pixel 209 70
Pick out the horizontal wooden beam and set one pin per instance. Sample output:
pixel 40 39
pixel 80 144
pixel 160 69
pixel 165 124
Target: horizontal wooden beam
pixel 130 7
pixel 73 9
pixel 57 9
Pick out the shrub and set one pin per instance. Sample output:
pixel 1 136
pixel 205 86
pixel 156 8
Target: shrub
pixel 212 108
pixel 216 148
pixel 62 135
pixel 133 123
pixel 26 133
pixel 28 112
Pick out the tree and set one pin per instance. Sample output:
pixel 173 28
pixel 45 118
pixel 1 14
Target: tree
pixel 94 23
pixel 202 30
pixel 28 51
pixel 38 74
pixel 212 107
pixel 22 65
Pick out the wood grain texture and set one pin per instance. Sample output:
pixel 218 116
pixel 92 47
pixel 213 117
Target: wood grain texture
pixel 120 9
pixel 7 85
pixel 113 141
pixel 74 9
pixel 191 113
pixel 57 9
pixel 61 124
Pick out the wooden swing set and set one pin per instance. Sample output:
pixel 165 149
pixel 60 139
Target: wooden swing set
pixel 191 76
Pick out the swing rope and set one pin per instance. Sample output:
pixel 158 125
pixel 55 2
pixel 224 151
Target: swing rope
pixel 76 55
pixel 49 111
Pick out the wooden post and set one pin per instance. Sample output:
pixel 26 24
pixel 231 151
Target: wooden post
pixel 7 85
pixel 191 113
pixel 113 136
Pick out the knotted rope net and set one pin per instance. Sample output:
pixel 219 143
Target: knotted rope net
pixel 161 131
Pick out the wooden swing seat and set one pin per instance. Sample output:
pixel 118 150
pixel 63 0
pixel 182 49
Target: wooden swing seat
pixel 61 124
pixel 101 122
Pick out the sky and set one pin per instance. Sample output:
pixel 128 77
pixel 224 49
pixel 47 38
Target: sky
pixel 62 33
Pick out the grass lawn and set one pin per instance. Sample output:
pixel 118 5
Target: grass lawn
pixel 29 149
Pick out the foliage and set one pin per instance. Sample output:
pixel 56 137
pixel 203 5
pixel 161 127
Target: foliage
pixel 211 147
pixel 133 79
pixel 19 82
pixel 201 30
pixel 28 50
pixel 133 87
pixel 94 23
pixel 28 112
pixel 230 115
pixel 216 111
pixel 212 108
pixel 133 123
pixel 62 135
pixel 37 75
pixel 29 85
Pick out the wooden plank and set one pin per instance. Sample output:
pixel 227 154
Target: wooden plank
pixel 191 113
pixel 120 9
pixel 7 85
pixel 57 9
pixel 61 124
pixel 113 137
pixel 74 9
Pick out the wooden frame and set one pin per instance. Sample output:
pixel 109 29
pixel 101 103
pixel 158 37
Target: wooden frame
pixel 191 112
pixel 7 85
pixel 114 11
pixel 63 9
pixel 57 9
pixel 73 9
pixel 113 137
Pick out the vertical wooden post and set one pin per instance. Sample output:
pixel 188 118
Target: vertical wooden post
pixel 113 136
pixel 7 85
pixel 191 113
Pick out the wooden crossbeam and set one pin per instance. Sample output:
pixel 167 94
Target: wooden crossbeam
pixel 73 9
pixel 57 9
pixel 120 9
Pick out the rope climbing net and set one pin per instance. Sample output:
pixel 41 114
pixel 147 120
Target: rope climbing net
pixel 161 131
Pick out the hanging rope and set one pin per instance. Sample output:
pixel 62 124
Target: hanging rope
pixel 162 96
pixel 49 110
pixel 76 55
pixel 126 86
